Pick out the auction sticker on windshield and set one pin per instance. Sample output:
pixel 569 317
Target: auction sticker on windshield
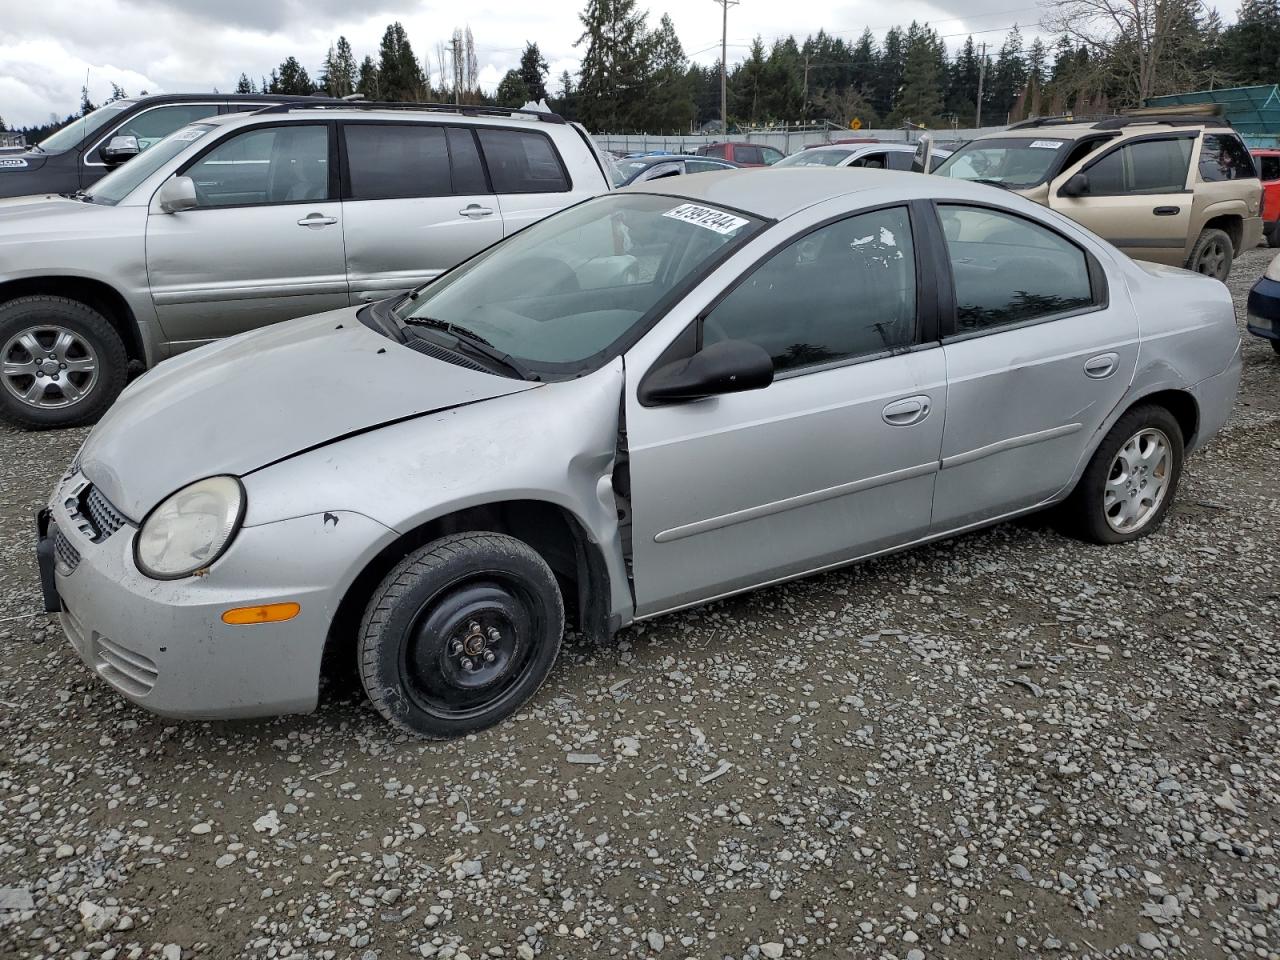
pixel 1045 144
pixel 707 217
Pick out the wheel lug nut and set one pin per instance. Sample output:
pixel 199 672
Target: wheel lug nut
pixel 473 627
pixel 467 664
pixel 457 647
pixel 494 635
pixel 489 656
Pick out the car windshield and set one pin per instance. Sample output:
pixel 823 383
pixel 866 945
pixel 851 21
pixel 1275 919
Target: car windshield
pixel 815 158
pixel 624 171
pixel 567 289
pixel 1017 162
pixel 75 132
pixel 120 182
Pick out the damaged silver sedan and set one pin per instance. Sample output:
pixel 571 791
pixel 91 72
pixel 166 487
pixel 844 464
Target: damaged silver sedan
pixel 651 400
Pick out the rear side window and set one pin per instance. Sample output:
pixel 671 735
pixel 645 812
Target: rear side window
pixel 1009 270
pixel 716 150
pixel 1223 157
pixel 386 161
pixel 703 166
pixel 1270 167
pixel 746 154
pixel 1142 166
pixel 522 162
pixel 898 160
pixel 464 156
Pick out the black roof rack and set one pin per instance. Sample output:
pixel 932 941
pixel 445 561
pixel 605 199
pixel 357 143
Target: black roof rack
pixel 1055 121
pixel 465 109
pixel 1118 123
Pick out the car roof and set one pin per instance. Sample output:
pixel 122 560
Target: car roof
pixel 330 111
pixel 1052 129
pixel 263 98
pixel 776 193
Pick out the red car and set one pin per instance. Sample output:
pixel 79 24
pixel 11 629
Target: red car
pixel 743 154
pixel 1268 161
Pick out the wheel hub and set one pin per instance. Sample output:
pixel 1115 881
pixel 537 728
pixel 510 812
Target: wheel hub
pixel 1138 481
pixel 48 366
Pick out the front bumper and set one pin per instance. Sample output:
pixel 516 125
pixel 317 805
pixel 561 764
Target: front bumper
pixel 1263 310
pixel 163 645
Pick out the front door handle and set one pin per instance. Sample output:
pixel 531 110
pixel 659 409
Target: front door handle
pixel 1167 211
pixel 1101 366
pixel 905 412
pixel 475 211
pixel 316 220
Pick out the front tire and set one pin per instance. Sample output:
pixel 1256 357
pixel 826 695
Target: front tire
pixel 1130 483
pixel 61 363
pixel 460 634
pixel 1212 255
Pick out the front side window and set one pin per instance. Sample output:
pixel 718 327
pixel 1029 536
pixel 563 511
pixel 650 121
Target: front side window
pixel 1014 162
pixel 522 162
pixel 748 155
pixel 1223 157
pixel 1009 270
pixel 284 164
pixel 124 179
pixel 386 161
pixel 771 156
pixel 845 290
pixel 1142 166
pixel 564 290
pixel 152 126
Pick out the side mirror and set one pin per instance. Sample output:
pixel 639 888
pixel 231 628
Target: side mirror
pixel 1076 186
pixel 177 194
pixel 730 366
pixel 118 150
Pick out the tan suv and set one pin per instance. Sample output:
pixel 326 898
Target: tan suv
pixel 1132 181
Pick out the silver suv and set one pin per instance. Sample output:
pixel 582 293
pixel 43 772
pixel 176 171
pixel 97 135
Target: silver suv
pixel 239 221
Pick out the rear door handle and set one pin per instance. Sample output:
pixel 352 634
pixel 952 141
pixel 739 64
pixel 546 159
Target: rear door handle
pixel 316 220
pixel 905 412
pixel 1101 366
pixel 1167 211
pixel 475 211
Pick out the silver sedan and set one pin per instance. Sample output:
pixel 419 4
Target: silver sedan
pixel 654 399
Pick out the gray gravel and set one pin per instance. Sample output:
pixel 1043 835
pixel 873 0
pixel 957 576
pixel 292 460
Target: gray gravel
pixel 1009 745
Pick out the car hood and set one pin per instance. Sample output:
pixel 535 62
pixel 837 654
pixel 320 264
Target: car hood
pixel 260 397
pixel 21 214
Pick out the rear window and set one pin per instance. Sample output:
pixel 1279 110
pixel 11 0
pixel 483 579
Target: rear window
pixel 1223 157
pixel 1270 167
pixel 522 162
pixel 386 161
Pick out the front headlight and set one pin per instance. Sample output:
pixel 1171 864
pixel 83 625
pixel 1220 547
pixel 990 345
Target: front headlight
pixel 190 529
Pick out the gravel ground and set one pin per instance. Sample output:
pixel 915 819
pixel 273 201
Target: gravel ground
pixel 1007 745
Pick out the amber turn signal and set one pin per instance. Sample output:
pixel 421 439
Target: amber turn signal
pixel 267 613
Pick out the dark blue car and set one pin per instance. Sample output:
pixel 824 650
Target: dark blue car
pixel 1264 306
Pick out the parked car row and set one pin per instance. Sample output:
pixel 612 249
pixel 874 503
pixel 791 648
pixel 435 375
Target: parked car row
pixel 827 361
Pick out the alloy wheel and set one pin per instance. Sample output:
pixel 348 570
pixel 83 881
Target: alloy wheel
pixel 48 367
pixel 1138 480
pixel 1213 260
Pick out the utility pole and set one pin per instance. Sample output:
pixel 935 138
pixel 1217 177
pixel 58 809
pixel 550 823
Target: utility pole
pixel 804 103
pixel 724 65
pixel 457 69
pixel 982 73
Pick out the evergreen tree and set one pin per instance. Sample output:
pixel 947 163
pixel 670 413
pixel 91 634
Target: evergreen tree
pixel 117 93
pixel 668 102
pixel 614 67
pixel 533 72
pixel 748 86
pixel 399 74
pixel 891 66
pixel 962 84
pixel 86 105
pixel 339 74
pixel 245 85
pixel 920 99
pixel 1008 78
pixel 368 84
pixel 512 91
pixel 291 78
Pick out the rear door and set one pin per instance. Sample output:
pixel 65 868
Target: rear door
pixel 415 203
pixel 264 243
pixel 1139 195
pixel 1038 354
pixel 528 175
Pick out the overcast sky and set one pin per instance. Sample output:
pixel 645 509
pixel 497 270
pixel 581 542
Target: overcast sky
pixel 173 46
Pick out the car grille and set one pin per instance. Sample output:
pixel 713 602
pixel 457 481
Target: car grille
pixel 66 554
pixel 101 514
pixel 127 669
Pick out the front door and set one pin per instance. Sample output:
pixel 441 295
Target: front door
pixel 416 203
pixel 835 460
pixel 1137 197
pixel 264 243
pixel 1037 359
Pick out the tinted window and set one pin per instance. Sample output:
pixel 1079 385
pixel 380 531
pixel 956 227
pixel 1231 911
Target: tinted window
pixel 1270 167
pixel 521 162
pixel 1142 166
pixel 899 160
pixel 717 150
pixel 286 164
pixel 397 160
pixel 1008 270
pixel 746 154
pixel 152 126
pixel 873 160
pixel 464 156
pixel 845 290
pixel 1223 157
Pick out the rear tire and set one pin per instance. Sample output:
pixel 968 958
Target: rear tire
pixel 1131 480
pixel 63 363
pixel 1212 255
pixel 460 634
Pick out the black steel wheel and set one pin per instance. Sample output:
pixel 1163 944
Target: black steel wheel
pixel 460 634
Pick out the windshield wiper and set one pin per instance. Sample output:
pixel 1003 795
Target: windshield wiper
pixel 994 183
pixel 473 343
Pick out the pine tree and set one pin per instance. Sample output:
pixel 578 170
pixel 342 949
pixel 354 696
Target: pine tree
pixel 512 91
pixel 400 75
pixel 920 99
pixel 245 85
pixel 339 74
pixel 292 79
pixel 368 84
pixel 891 66
pixel 667 105
pixel 1008 77
pixel 614 67
pixel 962 84
pixel 533 72
pixel 86 105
